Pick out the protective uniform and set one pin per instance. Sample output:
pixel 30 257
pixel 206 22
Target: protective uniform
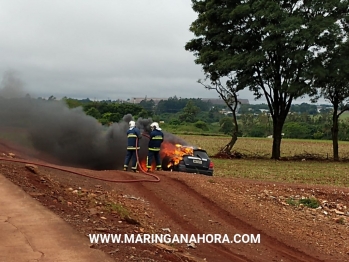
pixel 156 139
pixel 133 134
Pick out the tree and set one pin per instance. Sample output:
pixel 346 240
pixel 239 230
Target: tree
pixel 213 115
pixel 268 45
pixel 226 125
pixel 296 130
pixel 71 102
pixel 93 112
pixel 248 120
pixel 171 105
pixel 228 93
pixel 144 113
pixel 331 76
pixel 201 125
pixel 148 104
pixel 111 117
pixel 264 119
pixel 324 124
pixel 189 112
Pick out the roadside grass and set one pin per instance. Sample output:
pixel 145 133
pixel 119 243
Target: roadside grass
pixel 120 209
pixel 264 169
pixel 308 202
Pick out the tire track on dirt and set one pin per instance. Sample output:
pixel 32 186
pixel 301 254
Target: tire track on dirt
pixel 272 243
pixel 215 251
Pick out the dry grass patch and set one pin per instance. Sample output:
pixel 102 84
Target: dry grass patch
pixel 261 147
pixel 308 172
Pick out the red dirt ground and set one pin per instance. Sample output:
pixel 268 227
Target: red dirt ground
pixel 191 204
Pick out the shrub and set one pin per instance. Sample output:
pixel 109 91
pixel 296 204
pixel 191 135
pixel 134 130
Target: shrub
pixel 201 125
pixel 296 130
pixel 318 135
pixel 310 202
pixel 175 122
pixel 291 202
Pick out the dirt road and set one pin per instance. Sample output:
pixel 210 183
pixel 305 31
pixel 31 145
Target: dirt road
pixel 193 204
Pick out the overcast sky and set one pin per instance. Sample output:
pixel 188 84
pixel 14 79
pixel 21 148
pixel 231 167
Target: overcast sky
pixel 105 49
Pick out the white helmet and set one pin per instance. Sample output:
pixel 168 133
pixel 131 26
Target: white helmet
pixel 132 124
pixel 155 125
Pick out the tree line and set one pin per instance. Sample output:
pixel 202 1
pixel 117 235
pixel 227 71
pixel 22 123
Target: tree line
pixel 304 121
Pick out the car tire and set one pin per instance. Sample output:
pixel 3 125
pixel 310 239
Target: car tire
pixel 165 161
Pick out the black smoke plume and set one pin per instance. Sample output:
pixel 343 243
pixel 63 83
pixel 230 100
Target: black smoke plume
pixel 69 136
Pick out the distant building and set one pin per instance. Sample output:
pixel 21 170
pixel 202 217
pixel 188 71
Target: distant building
pixel 320 108
pixel 137 100
pixel 219 101
pixel 264 110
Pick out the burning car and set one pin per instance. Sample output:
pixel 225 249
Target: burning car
pixel 188 159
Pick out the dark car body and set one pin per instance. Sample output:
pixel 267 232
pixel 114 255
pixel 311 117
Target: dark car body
pixel 198 163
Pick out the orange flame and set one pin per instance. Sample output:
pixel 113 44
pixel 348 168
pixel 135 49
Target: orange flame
pixel 143 164
pixel 174 152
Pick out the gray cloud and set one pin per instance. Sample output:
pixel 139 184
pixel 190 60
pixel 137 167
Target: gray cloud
pixel 115 49
pixel 101 49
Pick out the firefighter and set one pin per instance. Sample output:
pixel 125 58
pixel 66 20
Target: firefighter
pixel 156 138
pixel 133 135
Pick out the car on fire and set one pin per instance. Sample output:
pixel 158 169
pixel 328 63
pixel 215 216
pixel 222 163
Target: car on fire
pixel 191 160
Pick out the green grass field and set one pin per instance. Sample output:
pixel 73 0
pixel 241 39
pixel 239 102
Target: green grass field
pixel 309 172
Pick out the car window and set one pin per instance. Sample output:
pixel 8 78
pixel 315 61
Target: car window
pixel 201 154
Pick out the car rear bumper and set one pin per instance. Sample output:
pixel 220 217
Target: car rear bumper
pixel 183 168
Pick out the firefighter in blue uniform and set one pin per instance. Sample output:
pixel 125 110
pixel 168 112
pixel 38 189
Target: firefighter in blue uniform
pixel 156 138
pixel 133 134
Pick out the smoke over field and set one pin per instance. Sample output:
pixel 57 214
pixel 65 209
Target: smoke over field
pixel 68 135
